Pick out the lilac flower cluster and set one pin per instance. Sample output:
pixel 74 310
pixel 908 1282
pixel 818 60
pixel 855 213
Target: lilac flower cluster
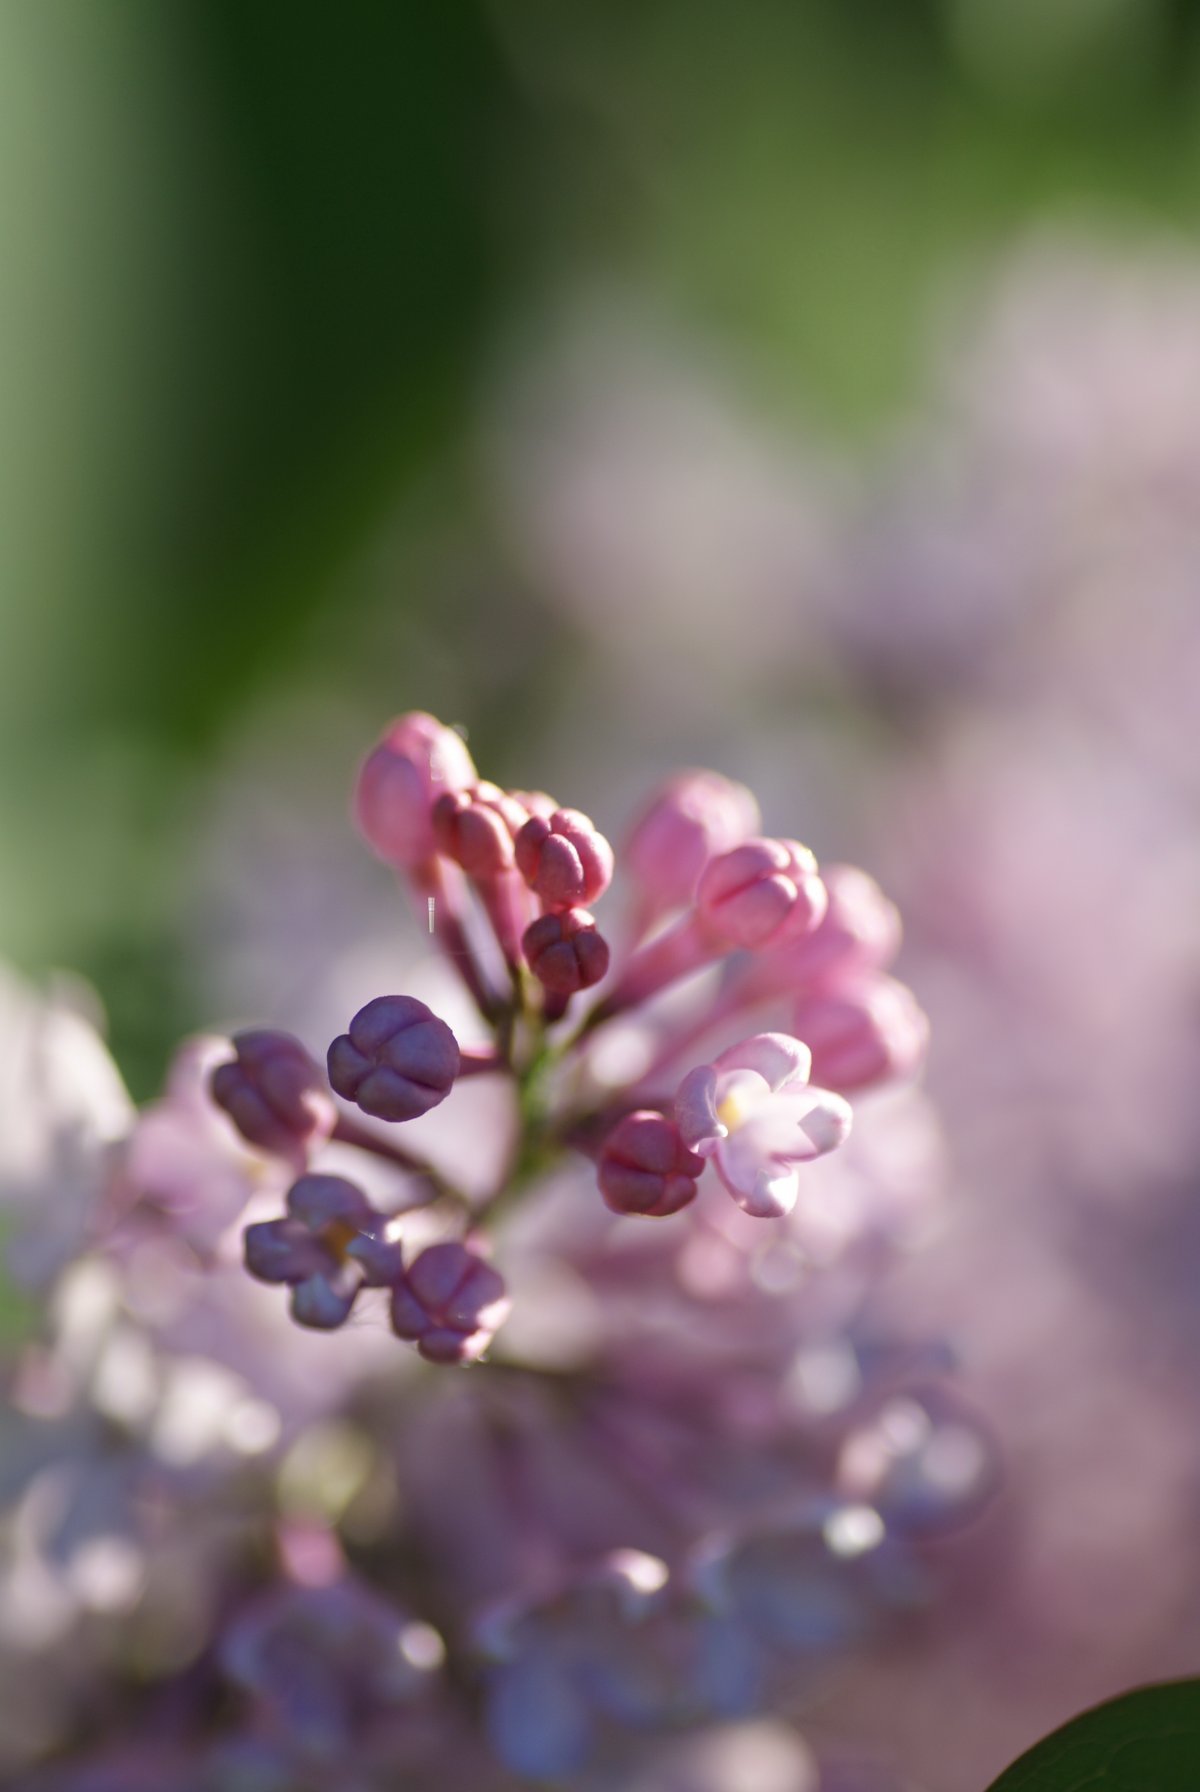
pixel 511 872
pixel 684 1473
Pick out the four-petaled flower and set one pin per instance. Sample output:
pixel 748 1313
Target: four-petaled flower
pixel 328 1246
pixel 754 1113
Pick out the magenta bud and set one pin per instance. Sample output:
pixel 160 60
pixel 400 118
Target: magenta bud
pixel 397 1061
pixel 646 1168
pixel 694 816
pixel 474 833
pixel 565 952
pixel 563 859
pixel 867 1031
pixel 417 760
pixel 450 1303
pixel 274 1093
pixel 761 893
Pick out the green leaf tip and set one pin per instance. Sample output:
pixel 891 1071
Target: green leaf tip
pixel 1144 1741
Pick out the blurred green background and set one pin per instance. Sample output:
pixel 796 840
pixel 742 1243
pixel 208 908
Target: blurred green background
pixel 258 260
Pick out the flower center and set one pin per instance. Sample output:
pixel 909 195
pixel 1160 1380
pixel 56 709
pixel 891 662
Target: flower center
pixel 740 1093
pixel 337 1237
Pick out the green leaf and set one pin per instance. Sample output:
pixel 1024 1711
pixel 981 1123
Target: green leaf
pixel 1146 1741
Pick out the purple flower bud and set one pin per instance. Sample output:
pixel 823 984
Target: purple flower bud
pixel 863 1032
pixel 449 1303
pixel 417 759
pixel 476 828
pixel 565 952
pixel 563 859
pixel 329 1245
pixel 646 1168
pixel 275 1095
pixel 694 816
pixel 761 893
pixel 397 1061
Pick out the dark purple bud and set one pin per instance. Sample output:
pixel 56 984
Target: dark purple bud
pixel 565 952
pixel 274 1093
pixel 449 1303
pixel 397 1061
pixel 563 859
pixel 646 1168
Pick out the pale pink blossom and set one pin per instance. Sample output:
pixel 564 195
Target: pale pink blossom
pixel 754 1113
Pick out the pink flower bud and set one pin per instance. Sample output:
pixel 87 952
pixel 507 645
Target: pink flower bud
pixel 275 1095
pixel 417 759
pixel 475 832
pixel 859 932
pixel 397 1061
pixel 450 1304
pixel 563 859
pixel 863 1032
pixel 692 818
pixel 761 893
pixel 565 952
pixel 646 1168
pixel 534 802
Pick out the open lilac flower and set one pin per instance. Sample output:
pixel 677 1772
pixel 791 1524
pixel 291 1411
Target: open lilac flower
pixel 328 1246
pixel 753 1112
pixel 449 1303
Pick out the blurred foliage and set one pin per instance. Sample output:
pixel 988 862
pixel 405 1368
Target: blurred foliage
pixel 257 258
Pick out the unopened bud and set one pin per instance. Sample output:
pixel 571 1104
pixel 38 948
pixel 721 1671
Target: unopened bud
pixel 761 893
pixel 860 932
pixel 694 817
pixel 864 1032
pixel 563 859
pixel 274 1093
pixel 450 1303
pixel 565 952
pixel 398 1059
pixel 646 1168
pixel 476 832
pixel 416 761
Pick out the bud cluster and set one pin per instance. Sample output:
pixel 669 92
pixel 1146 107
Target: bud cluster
pixel 509 879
